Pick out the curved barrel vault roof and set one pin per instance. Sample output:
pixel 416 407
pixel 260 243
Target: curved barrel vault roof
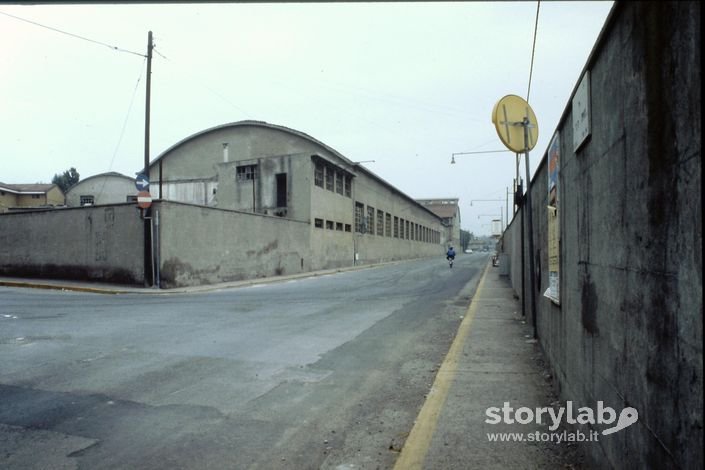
pixel 256 124
pixel 294 132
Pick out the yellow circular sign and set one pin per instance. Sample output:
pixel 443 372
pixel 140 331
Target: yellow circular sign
pixel 510 116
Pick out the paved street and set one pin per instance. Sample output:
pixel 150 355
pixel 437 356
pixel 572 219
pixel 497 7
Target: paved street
pixel 319 372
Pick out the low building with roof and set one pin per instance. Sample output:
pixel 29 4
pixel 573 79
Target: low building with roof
pixel 105 188
pixel 30 196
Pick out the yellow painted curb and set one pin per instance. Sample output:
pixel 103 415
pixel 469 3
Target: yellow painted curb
pixel 416 447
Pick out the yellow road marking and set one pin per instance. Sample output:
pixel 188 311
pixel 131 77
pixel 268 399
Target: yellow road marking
pixel 416 447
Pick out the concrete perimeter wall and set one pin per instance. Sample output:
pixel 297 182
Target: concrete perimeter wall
pixel 628 330
pixel 97 243
pixel 203 245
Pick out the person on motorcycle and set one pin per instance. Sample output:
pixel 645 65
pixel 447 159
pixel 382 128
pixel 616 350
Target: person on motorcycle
pixel 450 254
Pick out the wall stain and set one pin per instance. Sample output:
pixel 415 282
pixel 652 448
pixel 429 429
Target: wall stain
pixel 588 311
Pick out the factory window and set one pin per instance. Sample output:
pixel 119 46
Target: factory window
pixel 339 178
pixel 329 224
pixel 348 186
pixel 131 198
pixel 370 220
pixel 396 227
pixel 401 228
pixel 318 174
pixel 380 223
pixel 359 209
pixel 407 230
pixel 36 196
pixel 246 172
pixel 318 223
pixel 388 225
pixel 330 176
pixel 87 200
pixel 412 231
pixel 339 226
pixel 348 227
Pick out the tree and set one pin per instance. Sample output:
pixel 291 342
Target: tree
pixel 66 180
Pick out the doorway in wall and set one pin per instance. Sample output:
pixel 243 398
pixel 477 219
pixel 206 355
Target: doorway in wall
pixel 281 189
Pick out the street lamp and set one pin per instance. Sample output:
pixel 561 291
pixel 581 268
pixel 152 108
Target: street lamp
pixel 496 200
pixel 501 216
pixel 452 158
pixel 485 200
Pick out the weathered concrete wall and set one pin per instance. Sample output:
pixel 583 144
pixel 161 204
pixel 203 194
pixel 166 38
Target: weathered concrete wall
pixel 203 245
pixel 261 194
pixel 629 328
pixel 98 243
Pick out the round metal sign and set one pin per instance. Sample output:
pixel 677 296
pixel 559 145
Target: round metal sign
pixel 142 182
pixel 144 199
pixel 510 116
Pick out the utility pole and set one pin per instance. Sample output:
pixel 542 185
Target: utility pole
pixel 147 213
pixel 512 117
pixel 529 208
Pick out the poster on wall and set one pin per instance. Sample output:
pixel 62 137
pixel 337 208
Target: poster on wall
pixel 553 225
pixel 581 112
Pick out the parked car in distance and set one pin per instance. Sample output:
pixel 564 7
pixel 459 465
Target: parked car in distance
pixel 468 251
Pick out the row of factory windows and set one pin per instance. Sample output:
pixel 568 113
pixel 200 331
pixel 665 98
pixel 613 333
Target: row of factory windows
pixel 332 225
pixel 384 225
pixel 327 177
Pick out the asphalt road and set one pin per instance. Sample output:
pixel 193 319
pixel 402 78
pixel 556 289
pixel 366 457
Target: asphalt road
pixel 322 372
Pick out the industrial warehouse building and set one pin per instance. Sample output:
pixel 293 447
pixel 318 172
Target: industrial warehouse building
pixel 238 201
pixel 105 188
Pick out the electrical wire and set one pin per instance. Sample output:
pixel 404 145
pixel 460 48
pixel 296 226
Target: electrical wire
pixel 203 84
pixel 124 125
pixel 533 49
pixel 115 48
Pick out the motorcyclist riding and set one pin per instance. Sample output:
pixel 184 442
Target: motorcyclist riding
pixel 450 254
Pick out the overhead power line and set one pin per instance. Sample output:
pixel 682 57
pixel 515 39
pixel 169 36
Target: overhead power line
pixel 124 125
pixel 115 48
pixel 533 49
pixel 202 83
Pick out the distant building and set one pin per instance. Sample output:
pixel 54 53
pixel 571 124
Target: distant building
pixel 29 196
pixel 105 188
pixel 449 212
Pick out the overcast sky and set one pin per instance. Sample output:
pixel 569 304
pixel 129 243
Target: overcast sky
pixel 403 84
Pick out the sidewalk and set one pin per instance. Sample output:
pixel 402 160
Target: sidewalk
pixel 494 359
